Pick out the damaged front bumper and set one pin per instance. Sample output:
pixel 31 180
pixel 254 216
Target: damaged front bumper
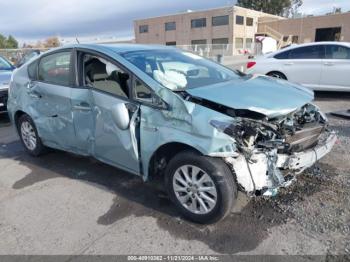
pixel 263 173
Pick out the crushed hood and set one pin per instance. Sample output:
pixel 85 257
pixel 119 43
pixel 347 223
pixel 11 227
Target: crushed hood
pixel 269 96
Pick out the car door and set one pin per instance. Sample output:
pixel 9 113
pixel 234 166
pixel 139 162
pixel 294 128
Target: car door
pixel 304 64
pixel 49 96
pixel 335 69
pixel 113 142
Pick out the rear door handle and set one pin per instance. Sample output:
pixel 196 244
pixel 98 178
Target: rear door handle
pixel 329 64
pixel 289 63
pixel 31 91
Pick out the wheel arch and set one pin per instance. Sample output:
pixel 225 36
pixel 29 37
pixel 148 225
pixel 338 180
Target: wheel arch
pixel 161 157
pixel 278 72
pixel 17 115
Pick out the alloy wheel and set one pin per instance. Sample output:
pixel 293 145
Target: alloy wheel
pixel 28 135
pixel 195 189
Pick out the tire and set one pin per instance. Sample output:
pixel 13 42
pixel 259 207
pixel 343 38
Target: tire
pixel 223 188
pixel 278 75
pixel 29 136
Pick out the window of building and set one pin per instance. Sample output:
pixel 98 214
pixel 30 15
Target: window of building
pixel 143 29
pixel 220 20
pixel 55 68
pixel 295 39
pixel 239 43
pixel 248 43
pixel 249 21
pixel 196 23
pixel 220 43
pixel 170 43
pixel 105 76
pixel 199 42
pixel 239 20
pixel 169 26
pixel 337 52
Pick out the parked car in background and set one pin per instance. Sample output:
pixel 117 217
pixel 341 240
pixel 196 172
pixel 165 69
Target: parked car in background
pixel 6 69
pixel 160 112
pixel 319 66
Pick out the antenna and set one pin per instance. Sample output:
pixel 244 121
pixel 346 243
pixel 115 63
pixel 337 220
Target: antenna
pixel 77 40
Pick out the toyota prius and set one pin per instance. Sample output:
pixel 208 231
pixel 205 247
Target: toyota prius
pixel 159 112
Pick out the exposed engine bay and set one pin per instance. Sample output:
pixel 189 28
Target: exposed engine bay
pixel 270 152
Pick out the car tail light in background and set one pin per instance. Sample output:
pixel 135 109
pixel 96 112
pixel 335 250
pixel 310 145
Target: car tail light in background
pixel 250 64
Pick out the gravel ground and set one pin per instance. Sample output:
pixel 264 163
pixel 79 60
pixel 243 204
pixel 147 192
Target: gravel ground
pixel 65 204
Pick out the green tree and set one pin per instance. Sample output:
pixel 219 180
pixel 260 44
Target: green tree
pixel 2 41
pixel 11 42
pixel 275 7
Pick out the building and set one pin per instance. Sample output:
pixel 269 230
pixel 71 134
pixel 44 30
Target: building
pixel 227 30
pixel 331 27
pixel 233 30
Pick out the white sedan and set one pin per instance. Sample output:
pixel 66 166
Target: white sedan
pixel 319 66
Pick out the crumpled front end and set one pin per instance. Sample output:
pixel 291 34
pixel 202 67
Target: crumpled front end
pixel 271 152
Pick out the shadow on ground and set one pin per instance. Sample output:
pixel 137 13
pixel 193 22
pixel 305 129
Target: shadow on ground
pixel 240 232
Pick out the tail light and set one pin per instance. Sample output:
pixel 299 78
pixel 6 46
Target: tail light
pixel 250 64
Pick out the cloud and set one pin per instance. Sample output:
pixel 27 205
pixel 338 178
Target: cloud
pixel 69 18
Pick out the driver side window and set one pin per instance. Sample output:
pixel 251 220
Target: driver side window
pixel 105 76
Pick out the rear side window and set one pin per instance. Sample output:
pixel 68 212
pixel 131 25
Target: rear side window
pixel 56 68
pixel 337 52
pixel 308 52
pixel 283 55
pixel 33 70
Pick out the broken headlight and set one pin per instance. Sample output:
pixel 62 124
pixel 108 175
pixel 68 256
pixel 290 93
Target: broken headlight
pixel 250 133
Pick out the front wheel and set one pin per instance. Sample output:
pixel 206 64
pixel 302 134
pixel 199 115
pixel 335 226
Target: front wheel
pixel 202 188
pixel 29 136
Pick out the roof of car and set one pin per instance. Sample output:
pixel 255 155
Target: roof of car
pixel 118 48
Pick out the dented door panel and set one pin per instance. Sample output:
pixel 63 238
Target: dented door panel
pixel 82 111
pixel 111 144
pixel 54 119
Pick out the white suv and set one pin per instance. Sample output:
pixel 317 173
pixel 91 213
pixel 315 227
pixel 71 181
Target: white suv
pixel 320 66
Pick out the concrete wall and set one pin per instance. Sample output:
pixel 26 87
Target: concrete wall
pixel 305 28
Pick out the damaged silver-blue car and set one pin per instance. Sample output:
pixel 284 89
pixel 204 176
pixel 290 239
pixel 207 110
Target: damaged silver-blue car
pixel 159 112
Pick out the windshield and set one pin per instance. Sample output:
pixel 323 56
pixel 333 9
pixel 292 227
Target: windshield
pixel 4 65
pixel 179 70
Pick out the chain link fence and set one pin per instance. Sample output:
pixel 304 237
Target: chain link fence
pixel 17 55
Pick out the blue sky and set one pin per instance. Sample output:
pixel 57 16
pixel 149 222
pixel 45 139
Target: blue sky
pixel 29 20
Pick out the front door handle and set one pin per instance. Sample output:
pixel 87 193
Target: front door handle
pixel 82 107
pixel 329 64
pixel 34 94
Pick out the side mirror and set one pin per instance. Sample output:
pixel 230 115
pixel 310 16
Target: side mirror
pixel 120 116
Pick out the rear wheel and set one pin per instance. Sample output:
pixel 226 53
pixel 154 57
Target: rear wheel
pixel 202 188
pixel 277 75
pixel 29 136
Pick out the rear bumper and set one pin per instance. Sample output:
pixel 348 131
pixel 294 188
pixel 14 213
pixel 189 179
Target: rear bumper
pixel 265 172
pixel 3 100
